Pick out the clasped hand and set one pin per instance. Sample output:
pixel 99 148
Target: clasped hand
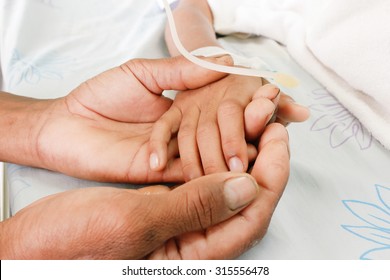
pixel 101 130
pixel 218 126
pixel 216 216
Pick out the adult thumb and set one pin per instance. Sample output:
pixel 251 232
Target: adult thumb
pixel 203 202
pixel 175 73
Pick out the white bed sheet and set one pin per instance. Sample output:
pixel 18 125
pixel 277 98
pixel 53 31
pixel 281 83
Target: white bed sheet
pixel 337 202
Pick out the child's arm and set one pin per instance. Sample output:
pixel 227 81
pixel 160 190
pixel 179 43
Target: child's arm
pixel 212 127
pixel 194 23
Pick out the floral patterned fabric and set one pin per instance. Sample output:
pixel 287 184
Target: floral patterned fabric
pixel 336 204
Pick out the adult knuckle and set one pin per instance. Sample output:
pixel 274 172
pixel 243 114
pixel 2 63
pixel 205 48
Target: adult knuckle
pixel 201 208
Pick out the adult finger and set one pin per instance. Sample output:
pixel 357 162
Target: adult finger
pixel 176 73
pixel 231 238
pixel 271 170
pixel 151 190
pixel 197 205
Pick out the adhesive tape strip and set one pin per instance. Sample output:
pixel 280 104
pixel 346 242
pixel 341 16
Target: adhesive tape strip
pixel 214 51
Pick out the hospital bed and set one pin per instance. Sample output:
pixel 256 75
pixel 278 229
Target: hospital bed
pixel 337 201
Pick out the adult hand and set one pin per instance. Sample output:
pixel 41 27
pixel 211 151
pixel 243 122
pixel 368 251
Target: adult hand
pixel 101 129
pixel 203 219
pixel 232 237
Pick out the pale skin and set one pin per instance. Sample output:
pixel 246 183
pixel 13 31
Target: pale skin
pixel 207 142
pixel 97 132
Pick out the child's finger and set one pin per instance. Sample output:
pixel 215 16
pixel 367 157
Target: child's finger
pixel 160 137
pixel 173 149
pixel 209 143
pixel 257 114
pixel 289 111
pixel 190 158
pixel 252 152
pixel 268 91
pixel 231 128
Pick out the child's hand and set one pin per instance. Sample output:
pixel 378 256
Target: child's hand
pixel 288 111
pixel 212 124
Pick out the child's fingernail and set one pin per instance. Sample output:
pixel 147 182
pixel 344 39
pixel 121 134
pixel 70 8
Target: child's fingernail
pixel 153 161
pixel 239 192
pixel 272 117
pixel 225 59
pixel 235 165
pixel 276 99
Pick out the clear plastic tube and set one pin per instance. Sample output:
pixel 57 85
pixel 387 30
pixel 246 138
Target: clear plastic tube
pixel 280 78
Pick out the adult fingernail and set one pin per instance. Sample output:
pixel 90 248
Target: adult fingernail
pixel 239 192
pixel 235 165
pixel 153 161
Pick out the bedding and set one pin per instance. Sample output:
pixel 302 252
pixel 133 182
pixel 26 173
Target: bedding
pixel 337 201
pixel 344 44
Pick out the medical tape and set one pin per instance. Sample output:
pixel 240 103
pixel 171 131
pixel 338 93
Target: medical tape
pixel 282 79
